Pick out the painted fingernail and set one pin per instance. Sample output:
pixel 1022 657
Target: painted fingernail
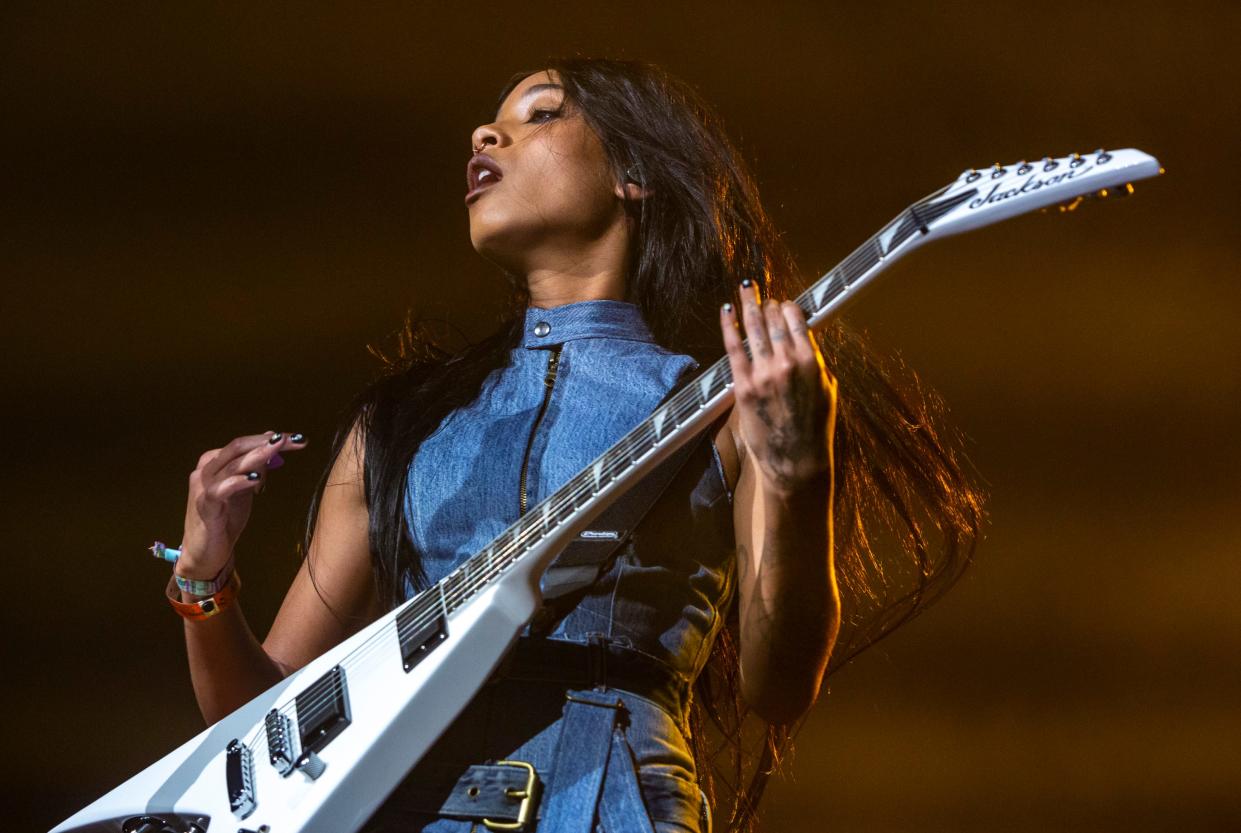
pixel 728 307
pixel 297 438
pixel 253 475
pixel 275 438
pixel 275 462
pixel 747 283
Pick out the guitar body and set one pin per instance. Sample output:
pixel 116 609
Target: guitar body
pixel 395 713
pixel 364 763
pixel 322 749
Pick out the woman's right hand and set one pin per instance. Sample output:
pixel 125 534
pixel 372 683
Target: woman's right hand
pixel 222 489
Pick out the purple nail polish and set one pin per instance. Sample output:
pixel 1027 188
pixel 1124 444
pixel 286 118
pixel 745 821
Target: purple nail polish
pixel 275 462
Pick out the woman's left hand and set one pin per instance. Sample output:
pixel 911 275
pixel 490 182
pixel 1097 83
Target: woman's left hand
pixel 786 399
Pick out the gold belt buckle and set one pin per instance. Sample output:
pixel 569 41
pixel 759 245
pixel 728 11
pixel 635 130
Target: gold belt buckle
pixel 528 795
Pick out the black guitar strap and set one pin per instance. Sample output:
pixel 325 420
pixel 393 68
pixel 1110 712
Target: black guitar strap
pixel 580 560
pixel 584 560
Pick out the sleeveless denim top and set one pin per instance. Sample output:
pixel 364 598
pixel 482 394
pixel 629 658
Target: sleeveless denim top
pixel 663 595
pixel 660 599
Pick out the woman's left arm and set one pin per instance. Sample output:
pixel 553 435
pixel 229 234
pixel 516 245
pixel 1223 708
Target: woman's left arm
pixel 782 427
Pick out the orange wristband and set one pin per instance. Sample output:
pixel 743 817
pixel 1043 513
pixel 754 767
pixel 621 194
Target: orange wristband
pixel 203 608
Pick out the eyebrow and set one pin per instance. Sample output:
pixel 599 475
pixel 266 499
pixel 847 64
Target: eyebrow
pixel 538 88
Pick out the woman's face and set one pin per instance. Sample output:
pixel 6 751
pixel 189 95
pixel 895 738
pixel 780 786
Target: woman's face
pixel 542 188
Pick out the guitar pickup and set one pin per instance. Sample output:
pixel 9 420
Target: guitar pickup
pixel 239 778
pixel 419 639
pixel 322 712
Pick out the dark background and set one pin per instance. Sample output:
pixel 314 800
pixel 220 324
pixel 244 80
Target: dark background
pixel 210 209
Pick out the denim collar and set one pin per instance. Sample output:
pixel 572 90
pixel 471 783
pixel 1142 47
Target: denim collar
pixel 584 319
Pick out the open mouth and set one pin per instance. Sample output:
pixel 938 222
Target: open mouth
pixel 481 173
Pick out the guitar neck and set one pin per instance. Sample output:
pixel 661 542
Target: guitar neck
pixel 976 198
pixel 658 436
pixel 840 285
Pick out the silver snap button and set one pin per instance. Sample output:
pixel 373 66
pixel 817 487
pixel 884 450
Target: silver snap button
pixel 542 328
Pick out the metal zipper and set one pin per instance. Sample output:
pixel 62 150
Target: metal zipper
pixel 549 380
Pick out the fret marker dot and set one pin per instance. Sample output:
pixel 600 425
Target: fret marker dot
pixel 542 328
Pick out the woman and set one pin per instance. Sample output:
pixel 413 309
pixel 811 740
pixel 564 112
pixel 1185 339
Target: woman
pixel 631 235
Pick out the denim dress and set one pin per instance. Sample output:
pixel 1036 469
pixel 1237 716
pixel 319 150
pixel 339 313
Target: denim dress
pixel 582 376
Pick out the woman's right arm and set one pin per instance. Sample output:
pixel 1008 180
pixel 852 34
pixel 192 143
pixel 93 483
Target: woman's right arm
pixel 228 665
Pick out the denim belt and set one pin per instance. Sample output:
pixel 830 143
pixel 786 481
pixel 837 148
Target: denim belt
pixel 505 795
pixel 593 778
pixel 565 796
pixel 594 664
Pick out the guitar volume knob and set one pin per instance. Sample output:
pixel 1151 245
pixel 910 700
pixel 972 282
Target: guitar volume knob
pixel 310 765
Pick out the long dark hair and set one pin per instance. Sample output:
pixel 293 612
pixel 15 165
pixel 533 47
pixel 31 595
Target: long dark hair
pixel 700 229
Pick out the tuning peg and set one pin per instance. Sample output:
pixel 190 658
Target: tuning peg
pixel 1102 157
pixel 1077 161
pixel 972 175
pixel 998 170
pixel 1049 164
pixel 1114 192
pixel 1024 167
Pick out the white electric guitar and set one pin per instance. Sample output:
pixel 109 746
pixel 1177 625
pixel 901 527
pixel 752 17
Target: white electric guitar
pixel 322 749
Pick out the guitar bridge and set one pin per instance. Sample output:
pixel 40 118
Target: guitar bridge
pixel 280 749
pixel 239 778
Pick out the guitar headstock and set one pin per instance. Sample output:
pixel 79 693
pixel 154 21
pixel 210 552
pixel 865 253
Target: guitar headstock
pixel 981 196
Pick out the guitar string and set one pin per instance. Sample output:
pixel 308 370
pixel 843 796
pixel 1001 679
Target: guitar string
pixel 866 258
pixel 642 435
pixel 464 582
pixel 862 260
pixel 452 592
pixel 459 589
